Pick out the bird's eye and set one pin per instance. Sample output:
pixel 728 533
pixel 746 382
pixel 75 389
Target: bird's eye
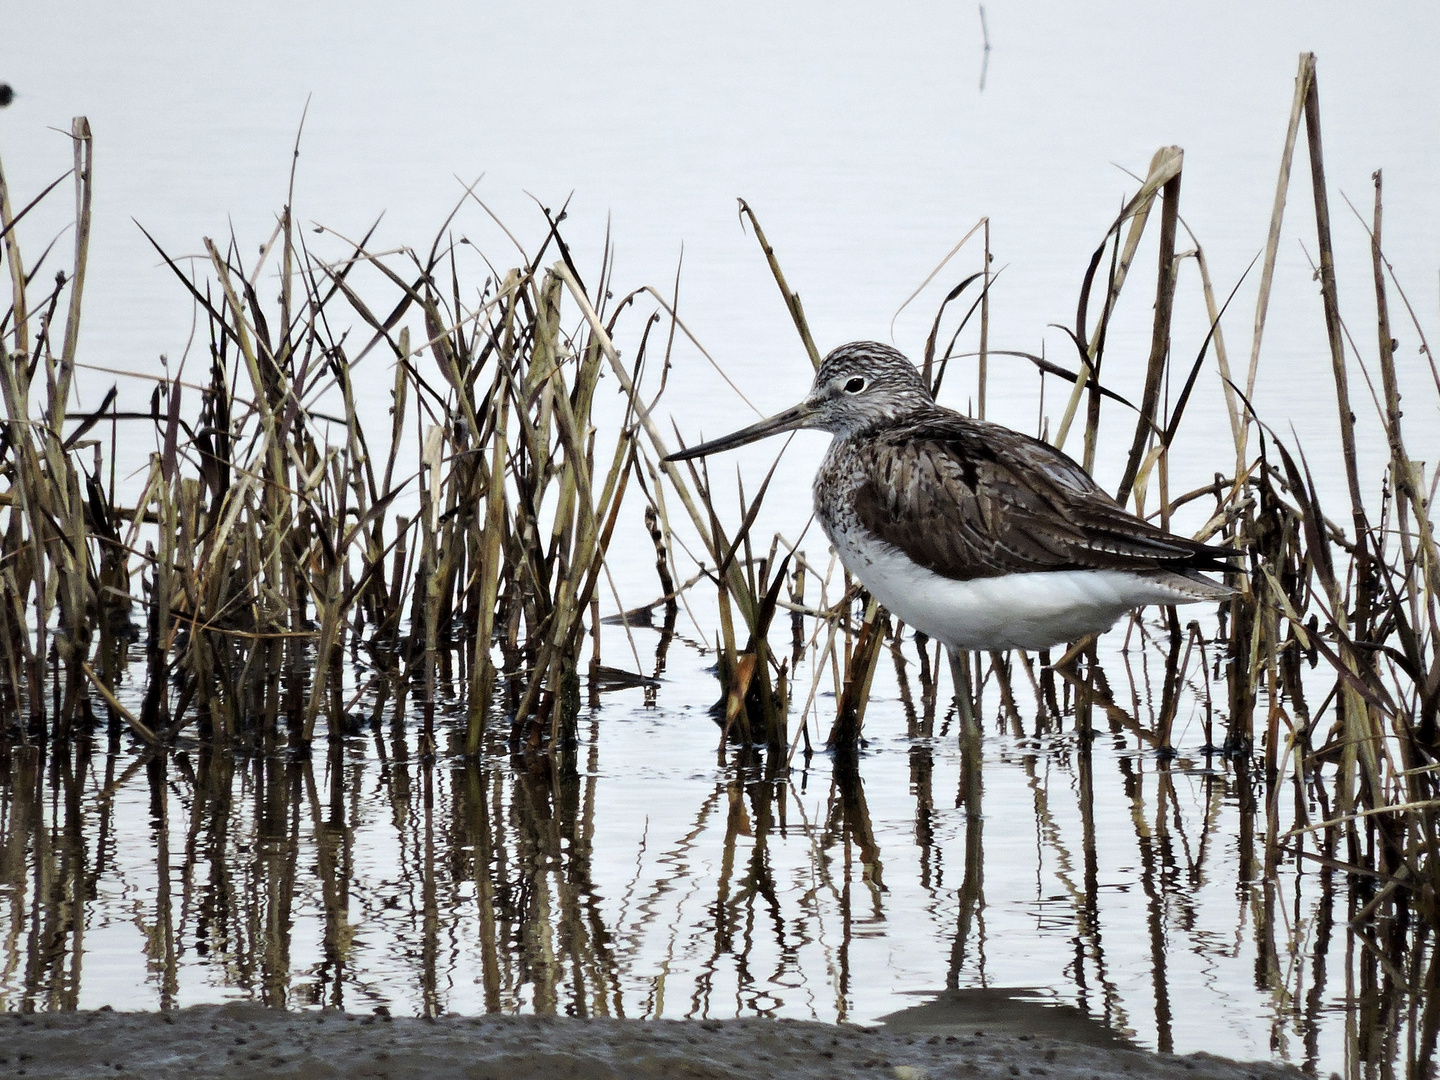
pixel 855 385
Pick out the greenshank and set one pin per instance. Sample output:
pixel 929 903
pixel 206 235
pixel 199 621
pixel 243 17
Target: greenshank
pixel 979 536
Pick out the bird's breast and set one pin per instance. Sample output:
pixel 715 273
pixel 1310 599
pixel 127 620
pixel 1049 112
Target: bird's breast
pixel 836 482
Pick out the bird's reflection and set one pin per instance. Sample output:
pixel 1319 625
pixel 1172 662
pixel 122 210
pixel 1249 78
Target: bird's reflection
pixel 1002 1011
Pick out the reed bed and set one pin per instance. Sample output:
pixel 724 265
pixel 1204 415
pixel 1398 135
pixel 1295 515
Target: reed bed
pixel 457 556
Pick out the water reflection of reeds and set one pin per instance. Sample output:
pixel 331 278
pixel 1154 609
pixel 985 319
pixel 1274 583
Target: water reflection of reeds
pixel 368 878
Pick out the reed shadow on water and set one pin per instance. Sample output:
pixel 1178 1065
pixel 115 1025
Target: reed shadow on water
pixel 354 680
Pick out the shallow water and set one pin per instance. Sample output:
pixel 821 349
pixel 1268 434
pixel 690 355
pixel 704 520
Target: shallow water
pixel 659 880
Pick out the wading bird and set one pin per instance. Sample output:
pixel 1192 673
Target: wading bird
pixel 979 536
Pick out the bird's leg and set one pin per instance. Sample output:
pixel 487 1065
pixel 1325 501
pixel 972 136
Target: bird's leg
pixel 964 695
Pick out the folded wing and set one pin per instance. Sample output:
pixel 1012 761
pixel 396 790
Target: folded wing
pixel 969 501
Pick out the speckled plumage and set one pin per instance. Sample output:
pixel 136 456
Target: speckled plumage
pixel 980 536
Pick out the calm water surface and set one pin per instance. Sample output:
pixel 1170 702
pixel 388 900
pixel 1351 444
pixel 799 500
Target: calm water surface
pixel 664 880
pixel 659 880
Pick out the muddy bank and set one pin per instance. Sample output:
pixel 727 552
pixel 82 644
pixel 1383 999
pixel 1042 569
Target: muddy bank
pixel 240 1041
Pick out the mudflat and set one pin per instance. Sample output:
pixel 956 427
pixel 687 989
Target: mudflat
pixel 238 1041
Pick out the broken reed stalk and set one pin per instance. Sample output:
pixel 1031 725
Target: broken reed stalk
pixel 1303 78
pixel 1160 336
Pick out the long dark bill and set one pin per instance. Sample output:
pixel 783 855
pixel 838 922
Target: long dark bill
pixel 788 420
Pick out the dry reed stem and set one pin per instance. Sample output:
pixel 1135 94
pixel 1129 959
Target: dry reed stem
pixel 1303 77
pixel 792 301
pixel 982 377
pixel 1160 336
pixel 1164 166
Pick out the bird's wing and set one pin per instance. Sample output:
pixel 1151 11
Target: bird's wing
pixel 970 500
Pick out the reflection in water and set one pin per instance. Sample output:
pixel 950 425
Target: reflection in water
pixel 1087 851
pixel 1002 1011
pixel 970 800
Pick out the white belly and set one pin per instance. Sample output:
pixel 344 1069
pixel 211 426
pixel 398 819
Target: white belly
pixel 1013 611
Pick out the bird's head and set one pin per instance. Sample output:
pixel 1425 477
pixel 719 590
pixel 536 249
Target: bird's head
pixel 863 384
pixel 858 386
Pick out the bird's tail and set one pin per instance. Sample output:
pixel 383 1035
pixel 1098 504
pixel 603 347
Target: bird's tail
pixel 1191 586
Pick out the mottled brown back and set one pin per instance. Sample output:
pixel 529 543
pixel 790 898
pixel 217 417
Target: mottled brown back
pixel 967 499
